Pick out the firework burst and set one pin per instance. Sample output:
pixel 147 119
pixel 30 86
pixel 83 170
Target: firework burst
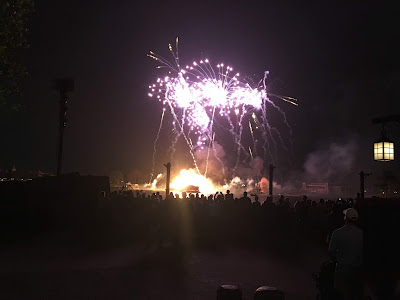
pixel 201 97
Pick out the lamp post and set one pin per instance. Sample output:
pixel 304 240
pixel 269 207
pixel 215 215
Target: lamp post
pixel 363 175
pixel 64 85
pixel 384 147
pixel 271 179
pixel 168 166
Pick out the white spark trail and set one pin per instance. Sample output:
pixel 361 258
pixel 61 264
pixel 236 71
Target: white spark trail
pixel 155 144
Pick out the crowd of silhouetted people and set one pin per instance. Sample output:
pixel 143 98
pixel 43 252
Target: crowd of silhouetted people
pixel 285 226
pixel 186 221
pixel 221 218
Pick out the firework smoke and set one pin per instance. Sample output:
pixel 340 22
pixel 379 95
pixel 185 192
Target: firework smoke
pixel 332 162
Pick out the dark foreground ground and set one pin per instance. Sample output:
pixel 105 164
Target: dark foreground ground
pixel 62 266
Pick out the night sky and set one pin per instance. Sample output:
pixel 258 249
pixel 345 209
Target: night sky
pixel 339 59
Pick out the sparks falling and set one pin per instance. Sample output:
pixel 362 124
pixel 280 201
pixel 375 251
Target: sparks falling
pixel 201 96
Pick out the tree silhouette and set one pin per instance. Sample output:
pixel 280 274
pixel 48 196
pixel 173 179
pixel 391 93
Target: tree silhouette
pixel 14 20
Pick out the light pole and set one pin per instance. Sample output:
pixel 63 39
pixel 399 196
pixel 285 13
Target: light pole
pixel 271 179
pixel 64 85
pixel 362 182
pixel 168 166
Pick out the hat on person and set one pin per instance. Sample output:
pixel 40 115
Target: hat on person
pixel 350 214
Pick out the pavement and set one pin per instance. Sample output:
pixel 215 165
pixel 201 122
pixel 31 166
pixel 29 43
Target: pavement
pixel 58 267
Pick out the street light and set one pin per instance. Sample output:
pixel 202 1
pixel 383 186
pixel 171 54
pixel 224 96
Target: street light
pixel 383 149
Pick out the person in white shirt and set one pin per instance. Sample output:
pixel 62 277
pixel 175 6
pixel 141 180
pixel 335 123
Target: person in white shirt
pixel 346 247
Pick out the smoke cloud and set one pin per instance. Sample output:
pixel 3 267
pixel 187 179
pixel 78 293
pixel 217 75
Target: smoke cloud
pixel 215 165
pixel 252 169
pixel 331 163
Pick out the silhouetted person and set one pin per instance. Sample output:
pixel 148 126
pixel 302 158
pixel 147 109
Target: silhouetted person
pixel 245 200
pixel 281 200
pixel 202 198
pixel 287 203
pixel 159 197
pixel 191 197
pixel 314 215
pixel 301 209
pixel 220 197
pixel 268 204
pixel 229 196
pixel 256 204
pixel 346 247
pixel 216 196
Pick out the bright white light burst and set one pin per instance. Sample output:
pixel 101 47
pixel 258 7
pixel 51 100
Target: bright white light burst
pixel 197 93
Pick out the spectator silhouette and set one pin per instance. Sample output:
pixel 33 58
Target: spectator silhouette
pixel 346 247
pixel 245 201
